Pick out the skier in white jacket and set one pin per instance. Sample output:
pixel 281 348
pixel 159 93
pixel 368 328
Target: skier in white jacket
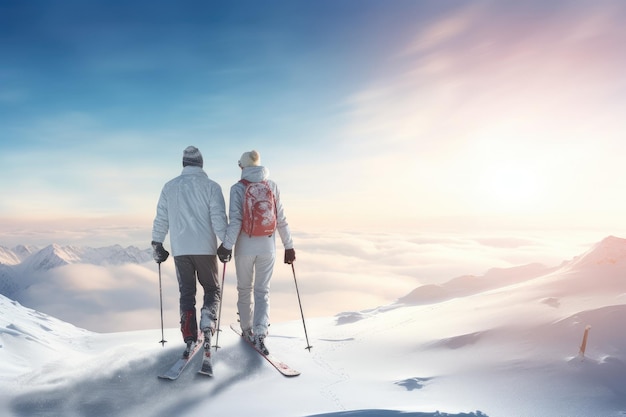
pixel 192 209
pixel 254 255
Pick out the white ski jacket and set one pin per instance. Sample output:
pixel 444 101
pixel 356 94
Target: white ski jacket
pixel 192 209
pixel 255 245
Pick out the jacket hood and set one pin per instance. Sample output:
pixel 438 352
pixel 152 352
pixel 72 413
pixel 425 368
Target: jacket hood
pixel 255 174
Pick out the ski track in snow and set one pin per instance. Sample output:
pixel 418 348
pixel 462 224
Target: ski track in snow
pixel 340 376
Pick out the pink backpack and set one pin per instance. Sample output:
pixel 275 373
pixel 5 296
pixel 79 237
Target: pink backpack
pixel 259 209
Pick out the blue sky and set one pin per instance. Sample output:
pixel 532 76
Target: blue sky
pixel 369 114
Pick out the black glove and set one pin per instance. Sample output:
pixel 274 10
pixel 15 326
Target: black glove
pixel 158 252
pixel 290 256
pixel 224 254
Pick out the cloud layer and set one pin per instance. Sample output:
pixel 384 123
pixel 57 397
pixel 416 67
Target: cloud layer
pixel 336 272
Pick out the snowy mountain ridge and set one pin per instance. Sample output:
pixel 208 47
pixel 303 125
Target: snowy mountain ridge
pixel 611 251
pixel 19 265
pixel 16 255
pixel 55 255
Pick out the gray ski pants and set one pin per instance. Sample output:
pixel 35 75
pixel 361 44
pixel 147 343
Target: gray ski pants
pixel 204 269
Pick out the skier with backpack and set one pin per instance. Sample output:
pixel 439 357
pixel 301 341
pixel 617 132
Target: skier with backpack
pixel 255 214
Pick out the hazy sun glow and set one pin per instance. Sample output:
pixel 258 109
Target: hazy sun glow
pixel 509 186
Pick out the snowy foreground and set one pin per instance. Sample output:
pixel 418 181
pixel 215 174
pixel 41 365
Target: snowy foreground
pixel 503 344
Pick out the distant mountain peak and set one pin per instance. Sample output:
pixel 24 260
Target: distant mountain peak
pixel 51 256
pixel 611 241
pixel 610 250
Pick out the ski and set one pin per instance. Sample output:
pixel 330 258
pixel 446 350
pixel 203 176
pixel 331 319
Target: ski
pixel 207 364
pixel 282 367
pixel 178 367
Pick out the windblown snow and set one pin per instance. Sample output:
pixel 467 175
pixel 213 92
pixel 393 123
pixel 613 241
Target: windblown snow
pixel 508 343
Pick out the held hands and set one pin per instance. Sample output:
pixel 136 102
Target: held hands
pixel 158 252
pixel 290 256
pixel 224 254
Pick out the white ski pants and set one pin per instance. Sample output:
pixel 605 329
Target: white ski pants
pixel 254 273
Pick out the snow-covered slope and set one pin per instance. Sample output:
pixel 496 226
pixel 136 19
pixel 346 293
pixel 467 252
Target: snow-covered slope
pixel 29 339
pixel 499 350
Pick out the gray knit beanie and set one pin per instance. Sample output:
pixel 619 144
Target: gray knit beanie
pixel 192 157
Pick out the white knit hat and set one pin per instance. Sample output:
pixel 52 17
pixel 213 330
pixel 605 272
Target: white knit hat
pixel 250 159
pixel 192 157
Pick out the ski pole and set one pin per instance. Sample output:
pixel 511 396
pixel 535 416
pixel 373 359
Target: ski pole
pixel 219 315
pixel 162 342
pixel 301 312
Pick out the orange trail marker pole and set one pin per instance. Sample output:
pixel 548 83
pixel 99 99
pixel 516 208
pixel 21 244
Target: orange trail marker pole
pixel 583 346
